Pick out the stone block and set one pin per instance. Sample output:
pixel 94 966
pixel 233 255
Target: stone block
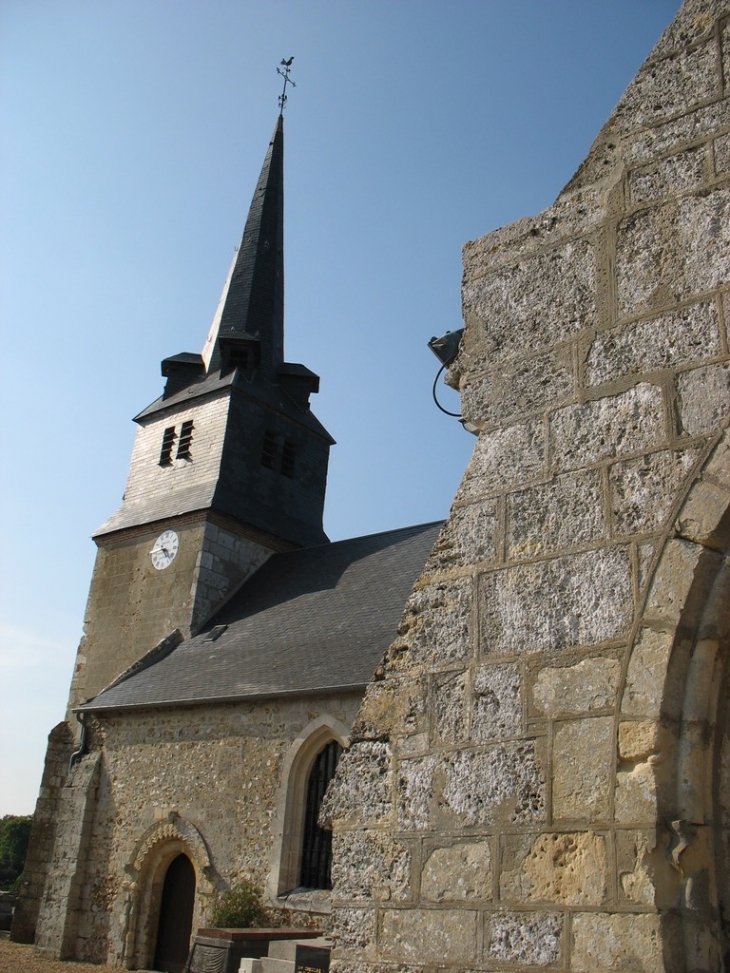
pixel 392 705
pixel 435 937
pixel 369 865
pixel 614 426
pixel 458 872
pixel 702 514
pixel 694 126
pixel 448 706
pixel 583 599
pixel 361 791
pixel 502 783
pixel 435 626
pixel 568 690
pixel 603 942
pixel 504 458
pixel 667 254
pixel 704 398
pixel 522 939
pixel 513 390
pixel 467 537
pixel 644 490
pixel 565 868
pixel 355 931
pixel 497 711
pixel 564 513
pixel 645 677
pixel 672 580
pixel 582 769
pixel 536 303
pixel 717 468
pixel 672 86
pixel 667 340
pixel 721 154
pixel 668 177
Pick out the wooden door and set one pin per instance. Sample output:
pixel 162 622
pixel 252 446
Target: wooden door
pixel 176 916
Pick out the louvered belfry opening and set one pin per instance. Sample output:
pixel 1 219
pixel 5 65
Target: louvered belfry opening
pixel 317 843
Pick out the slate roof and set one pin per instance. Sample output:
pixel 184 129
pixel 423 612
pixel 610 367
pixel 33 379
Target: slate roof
pixel 312 620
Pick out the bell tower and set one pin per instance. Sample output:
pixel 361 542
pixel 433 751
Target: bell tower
pixel 228 465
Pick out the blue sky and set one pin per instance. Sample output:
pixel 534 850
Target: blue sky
pixel 134 131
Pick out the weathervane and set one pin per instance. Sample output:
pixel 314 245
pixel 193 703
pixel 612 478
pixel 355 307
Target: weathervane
pixel 287 80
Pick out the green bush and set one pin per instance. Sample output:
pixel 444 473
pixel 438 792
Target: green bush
pixel 240 906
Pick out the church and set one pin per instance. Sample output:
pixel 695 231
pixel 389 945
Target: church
pixel 226 648
pixel 527 767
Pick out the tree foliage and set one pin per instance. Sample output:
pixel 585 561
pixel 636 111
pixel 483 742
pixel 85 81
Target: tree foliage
pixel 14 835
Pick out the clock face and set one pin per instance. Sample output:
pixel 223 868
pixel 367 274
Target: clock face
pixel 164 549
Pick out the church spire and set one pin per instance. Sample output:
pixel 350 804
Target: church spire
pixel 251 308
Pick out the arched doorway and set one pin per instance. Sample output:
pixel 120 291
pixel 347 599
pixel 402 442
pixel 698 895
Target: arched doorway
pixel 176 916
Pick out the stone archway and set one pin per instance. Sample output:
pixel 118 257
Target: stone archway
pixel 673 745
pixel 155 852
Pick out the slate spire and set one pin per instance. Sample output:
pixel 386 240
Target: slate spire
pixel 252 303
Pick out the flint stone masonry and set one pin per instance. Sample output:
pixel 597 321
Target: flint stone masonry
pixel 569 636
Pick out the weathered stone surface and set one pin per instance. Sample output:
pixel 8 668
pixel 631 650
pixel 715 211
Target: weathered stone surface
pixel 582 762
pixel 702 514
pixel 655 141
pixel 643 692
pixel 633 422
pixel 397 702
pixel 666 254
pixel 642 747
pixel 536 303
pixel 355 931
pixel 643 490
pixel 448 705
pixel 460 871
pixel 657 93
pixel 668 177
pixel 369 865
pixel 567 868
pixel 503 458
pixel 522 938
pixel 435 625
pixel 516 389
pixel 668 340
pixel 672 580
pixel 361 793
pixel 429 936
pixel 504 783
pixel 704 398
pixel 604 942
pixel 551 516
pixel 566 690
pixel 497 708
pixel 580 600
pixel 467 537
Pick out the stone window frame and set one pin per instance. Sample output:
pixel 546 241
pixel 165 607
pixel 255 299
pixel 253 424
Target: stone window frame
pixel 291 801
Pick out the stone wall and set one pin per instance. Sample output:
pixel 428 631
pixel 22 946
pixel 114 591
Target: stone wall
pixel 539 777
pixel 146 604
pixel 210 781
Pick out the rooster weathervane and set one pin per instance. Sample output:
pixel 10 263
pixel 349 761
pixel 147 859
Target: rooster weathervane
pixel 287 80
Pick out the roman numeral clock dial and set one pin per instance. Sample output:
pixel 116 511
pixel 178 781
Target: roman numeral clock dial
pixel 164 550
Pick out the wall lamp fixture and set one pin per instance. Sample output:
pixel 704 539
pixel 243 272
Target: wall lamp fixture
pixel 446 349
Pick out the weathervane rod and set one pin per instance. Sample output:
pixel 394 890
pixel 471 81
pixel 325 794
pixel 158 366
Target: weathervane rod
pixel 287 80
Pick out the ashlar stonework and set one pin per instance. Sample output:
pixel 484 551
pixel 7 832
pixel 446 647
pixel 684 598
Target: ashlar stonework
pixel 557 777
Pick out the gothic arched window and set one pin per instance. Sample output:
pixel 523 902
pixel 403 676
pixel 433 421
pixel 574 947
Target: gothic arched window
pixel 317 842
